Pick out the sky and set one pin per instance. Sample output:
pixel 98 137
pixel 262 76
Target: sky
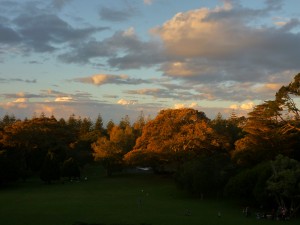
pixel 124 57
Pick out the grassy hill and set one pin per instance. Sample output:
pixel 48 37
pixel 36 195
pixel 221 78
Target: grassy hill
pixel 125 199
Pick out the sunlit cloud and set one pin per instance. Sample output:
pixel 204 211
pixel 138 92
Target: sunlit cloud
pixel 101 79
pixel 15 105
pixel 63 99
pixel 182 105
pixel 234 106
pixel 20 100
pixel 245 106
pixel 127 102
pixel 220 44
pixel 129 32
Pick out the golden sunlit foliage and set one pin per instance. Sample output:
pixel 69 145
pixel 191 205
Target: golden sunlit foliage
pixel 172 135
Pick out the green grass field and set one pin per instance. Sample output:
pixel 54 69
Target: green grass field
pixel 121 200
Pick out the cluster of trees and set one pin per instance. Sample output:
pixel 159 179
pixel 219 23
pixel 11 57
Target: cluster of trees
pixel 253 158
pixel 45 146
pixel 54 149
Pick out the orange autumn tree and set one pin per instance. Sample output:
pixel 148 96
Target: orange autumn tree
pixel 173 136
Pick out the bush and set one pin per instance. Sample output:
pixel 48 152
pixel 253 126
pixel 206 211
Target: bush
pixel 250 184
pixel 205 175
pixel 70 169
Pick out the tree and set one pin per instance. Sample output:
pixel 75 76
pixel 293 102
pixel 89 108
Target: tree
pixel 272 128
pixel 11 165
pixel 206 175
pixel 70 169
pixel 109 126
pixel 51 168
pixel 110 151
pixel 98 126
pixel 249 185
pixel 173 136
pixel 139 124
pixel 231 128
pixel 6 121
pixel 284 184
pixel 262 141
pixel 35 137
pixel 109 154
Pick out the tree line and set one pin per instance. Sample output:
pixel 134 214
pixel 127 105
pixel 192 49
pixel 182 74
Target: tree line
pixel 253 158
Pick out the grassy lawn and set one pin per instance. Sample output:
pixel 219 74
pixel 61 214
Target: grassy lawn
pixel 130 200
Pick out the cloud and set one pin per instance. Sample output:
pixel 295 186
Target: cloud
pixel 9 80
pixel 8 35
pixel 154 92
pixel 87 109
pixel 127 102
pixel 247 106
pixel 179 106
pixel 59 4
pixel 42 32
pixel 36 28
pixel 148 2
pixel 20 100
pixel 184 105
pixel 123 50
pixel 101 79
pixel 64 99
pixel 48 96
pixel 221 44
pixel 116 15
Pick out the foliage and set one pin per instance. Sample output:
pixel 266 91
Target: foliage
pixel 109 154
pixel 51 169
pixel 173 136
pixel 110 149
pixel 250 184
pixel 205 175
pixel 202 153
pixel 29 143
pixel 284 184
pixel 70 169
pixel 11 163
pixel 230 129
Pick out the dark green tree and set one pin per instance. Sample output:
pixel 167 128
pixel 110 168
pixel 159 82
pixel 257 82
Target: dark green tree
pixel 70 169
pixel 284 184
pixel 51 168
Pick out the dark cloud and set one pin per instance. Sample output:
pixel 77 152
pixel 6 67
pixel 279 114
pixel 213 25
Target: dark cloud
pixel 59 4
pixel 115 15
pixel 9 80
pixel 42 32
pixel 138 53
pixel 8 35
pixel 85 51
pixel 21 95
pixel 34 27
pixel 111 96
pixel 155 92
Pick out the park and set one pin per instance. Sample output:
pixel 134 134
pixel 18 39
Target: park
pixel 124 199
pixel 178 168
